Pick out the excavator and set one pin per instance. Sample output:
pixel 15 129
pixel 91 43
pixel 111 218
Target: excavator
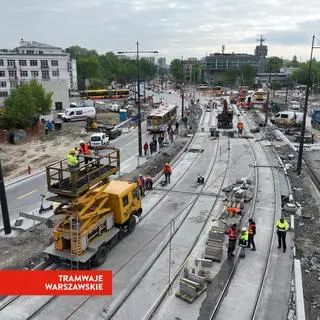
pixel 225 117
pixel 96 212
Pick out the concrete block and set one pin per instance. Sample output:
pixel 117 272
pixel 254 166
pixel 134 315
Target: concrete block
pixel 206 263
pixel 188 289
pixel 196 278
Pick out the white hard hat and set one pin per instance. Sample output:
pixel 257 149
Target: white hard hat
pixel 81 142
pixel 244 229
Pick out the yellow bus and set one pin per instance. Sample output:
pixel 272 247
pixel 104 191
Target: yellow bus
pixel 101 94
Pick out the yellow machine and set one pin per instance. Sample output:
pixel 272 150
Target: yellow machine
pixel 94 221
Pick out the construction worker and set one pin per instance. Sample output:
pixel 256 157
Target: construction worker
pixel 166 170
pixel 72 159
pixel 84 150
pixel 243 241
pixel 240 128
pixel 145 148
pixel 232 233
pixel 251 234
pixel 140 183
pixel 282 226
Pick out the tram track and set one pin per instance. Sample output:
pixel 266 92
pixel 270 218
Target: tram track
pixel 114 314
pixel 224 306
pixel 37 314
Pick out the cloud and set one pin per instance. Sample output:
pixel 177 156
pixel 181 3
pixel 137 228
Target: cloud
pixel 175 28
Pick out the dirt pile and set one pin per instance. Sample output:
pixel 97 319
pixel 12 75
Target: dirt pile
pixel 37 153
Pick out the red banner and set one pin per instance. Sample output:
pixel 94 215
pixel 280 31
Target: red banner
pixel 55 282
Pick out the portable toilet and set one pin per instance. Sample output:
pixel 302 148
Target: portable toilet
pixel 123 114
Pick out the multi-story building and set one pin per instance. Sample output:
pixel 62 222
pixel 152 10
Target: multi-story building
pixel 215 65
pixel 162 63
pixel 47 64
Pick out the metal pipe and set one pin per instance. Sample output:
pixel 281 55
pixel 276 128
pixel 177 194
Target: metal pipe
pixel 139 104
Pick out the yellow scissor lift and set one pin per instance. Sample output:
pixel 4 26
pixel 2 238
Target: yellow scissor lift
pixel 97 213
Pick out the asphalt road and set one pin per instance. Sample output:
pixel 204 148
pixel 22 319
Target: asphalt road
pixel 26 195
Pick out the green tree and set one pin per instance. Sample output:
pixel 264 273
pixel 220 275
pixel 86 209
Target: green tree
pixel 230 77
pixel 176 69
pixel 247 75
pixel 274 64
pixel 25 104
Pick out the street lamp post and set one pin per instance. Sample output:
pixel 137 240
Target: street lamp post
pixel 137 52
pixel 305 110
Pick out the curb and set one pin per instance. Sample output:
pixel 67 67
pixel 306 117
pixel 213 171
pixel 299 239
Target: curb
pixel 22 178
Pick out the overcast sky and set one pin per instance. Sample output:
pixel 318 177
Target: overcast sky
pixel 188 28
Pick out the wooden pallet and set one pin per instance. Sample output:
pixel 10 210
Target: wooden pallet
pixel 188 298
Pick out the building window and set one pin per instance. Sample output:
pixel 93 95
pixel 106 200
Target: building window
pixel 3 84
pixel 2 73
pixel 23 73
pixel 22 63
pixel 1 62
pixel 3 93
pixel 13 84
pixel 12 73
pixel 44 64
pixel 54 63
pixel 30 52
pixel 55 73
pixel 34 74
pixel 11 63
pixel 45 74
pixel 33 63
pixel 40 52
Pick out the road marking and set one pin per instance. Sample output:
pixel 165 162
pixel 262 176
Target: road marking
pixel 27 194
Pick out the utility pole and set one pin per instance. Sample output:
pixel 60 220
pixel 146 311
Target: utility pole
pixel 303 126
pixel 139 100
pixel 267 108
pixel 287 90
pixel 4 205
pixel 182 91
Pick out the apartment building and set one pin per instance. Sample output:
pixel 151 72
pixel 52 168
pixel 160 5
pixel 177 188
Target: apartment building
pixel 48 64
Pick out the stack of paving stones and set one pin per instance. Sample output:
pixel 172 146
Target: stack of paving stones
pixel 191 287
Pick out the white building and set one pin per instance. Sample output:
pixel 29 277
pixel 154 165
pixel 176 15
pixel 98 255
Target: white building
pixel 50 65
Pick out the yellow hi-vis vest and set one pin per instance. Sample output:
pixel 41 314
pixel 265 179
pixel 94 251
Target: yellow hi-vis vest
pixel 244 236
pixel 282 226
pixel 72 160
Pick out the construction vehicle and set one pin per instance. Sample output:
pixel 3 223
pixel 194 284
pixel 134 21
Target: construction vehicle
pixel 225 117
pixel 97 212
pixel 315 119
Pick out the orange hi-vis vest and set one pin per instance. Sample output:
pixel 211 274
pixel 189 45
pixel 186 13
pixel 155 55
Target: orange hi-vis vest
pixel 84 149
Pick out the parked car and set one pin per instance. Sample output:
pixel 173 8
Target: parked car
pixel 99 139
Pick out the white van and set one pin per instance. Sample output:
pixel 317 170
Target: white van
pixel 287 118
pixel 99 139
pixel 76 114
pixel 294 105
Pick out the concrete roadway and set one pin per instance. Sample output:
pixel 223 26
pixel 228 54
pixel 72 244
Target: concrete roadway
pixel 25 195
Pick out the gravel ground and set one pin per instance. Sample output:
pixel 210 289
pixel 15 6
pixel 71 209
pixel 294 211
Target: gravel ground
pixel 307 232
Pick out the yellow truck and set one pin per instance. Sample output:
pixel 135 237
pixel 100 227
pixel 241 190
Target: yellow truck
pixel 93 221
